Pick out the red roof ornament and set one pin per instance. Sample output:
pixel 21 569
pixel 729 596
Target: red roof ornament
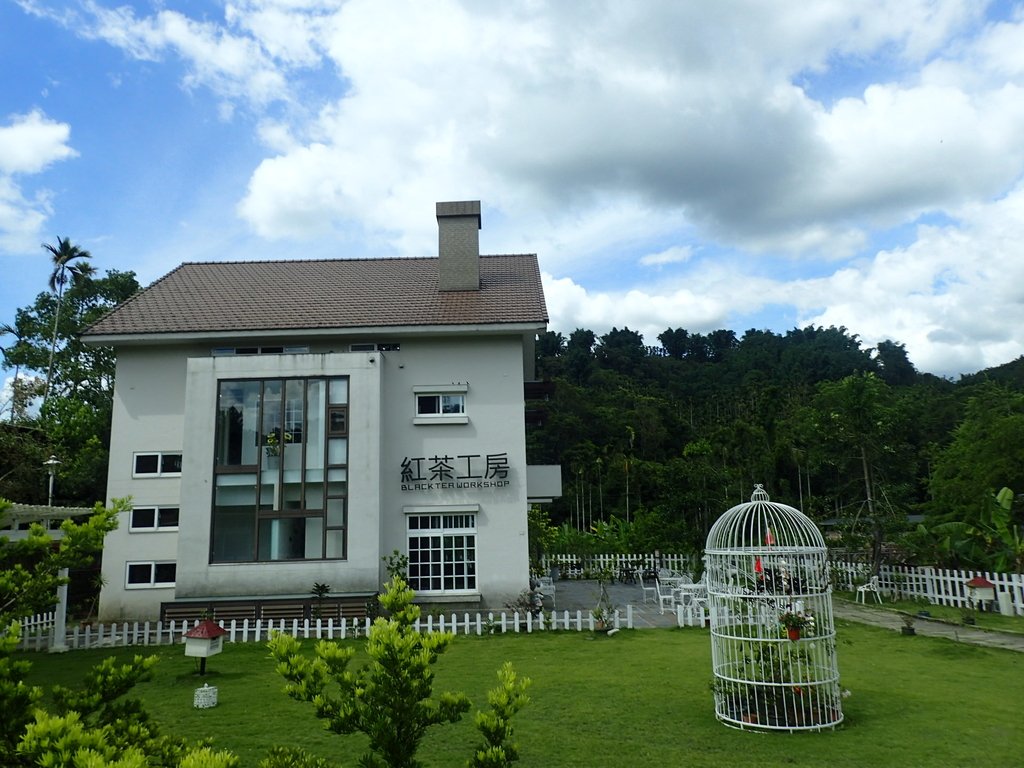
pixel 979 582
pixel 206 630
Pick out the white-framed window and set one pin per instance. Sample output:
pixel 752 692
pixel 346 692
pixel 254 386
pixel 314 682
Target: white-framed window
pixel 149 574
pixel 153 519
pixel 442 549
pixel 156 464
pixel 441 404
pixel 375 346
pixel 299 349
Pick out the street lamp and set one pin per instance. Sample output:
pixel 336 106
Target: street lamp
pixel 59 642
pixel 51 465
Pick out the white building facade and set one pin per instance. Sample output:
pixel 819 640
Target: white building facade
pixel 284 424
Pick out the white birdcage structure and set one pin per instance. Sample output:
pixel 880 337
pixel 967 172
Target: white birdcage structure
pixel 767 568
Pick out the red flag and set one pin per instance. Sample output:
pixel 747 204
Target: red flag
pixel 758 568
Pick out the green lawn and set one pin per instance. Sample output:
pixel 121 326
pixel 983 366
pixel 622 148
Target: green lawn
pixel 637 698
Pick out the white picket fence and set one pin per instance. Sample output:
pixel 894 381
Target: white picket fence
pixel 590 566
pixel 169 633
pixel 939 586
pixel 37 630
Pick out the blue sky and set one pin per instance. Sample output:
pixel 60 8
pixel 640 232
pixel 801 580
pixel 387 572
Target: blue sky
pixel 673 164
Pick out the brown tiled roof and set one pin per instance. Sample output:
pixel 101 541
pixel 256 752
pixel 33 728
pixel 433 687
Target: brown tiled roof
pixel 338 293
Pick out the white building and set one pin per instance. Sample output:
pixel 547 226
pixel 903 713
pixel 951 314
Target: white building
pixel 280 424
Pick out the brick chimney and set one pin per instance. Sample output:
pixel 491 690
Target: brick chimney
pixel 458 229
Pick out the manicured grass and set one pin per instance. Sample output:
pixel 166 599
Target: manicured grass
pixel 637 698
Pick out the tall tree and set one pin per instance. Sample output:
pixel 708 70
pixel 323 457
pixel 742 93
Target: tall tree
pixel 674 341
pixel 986 454
pixel 622 351
pixel 896 368
pixel 70 263
pixel 857 416
pixel 75 423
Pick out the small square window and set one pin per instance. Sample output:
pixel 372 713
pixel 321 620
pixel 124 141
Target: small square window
pixel 157 464
pixel 151 574
pixel 148 519
pixel 440 405
pixel 164 573
pixel 143 517
pixel 170 463
pixel 140 573
pixel 147 463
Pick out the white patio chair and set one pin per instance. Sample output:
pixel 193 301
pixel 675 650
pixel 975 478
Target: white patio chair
pixel 872 587
pixel 650 593
pixel 546 586
pixel 664 596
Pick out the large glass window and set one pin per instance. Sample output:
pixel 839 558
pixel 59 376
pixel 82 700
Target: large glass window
pixel 280 487
pixel 442 552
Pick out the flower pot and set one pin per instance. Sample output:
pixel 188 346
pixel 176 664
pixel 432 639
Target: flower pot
pixel 793 632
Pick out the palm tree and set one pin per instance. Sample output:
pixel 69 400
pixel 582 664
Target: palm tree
pixel 69 264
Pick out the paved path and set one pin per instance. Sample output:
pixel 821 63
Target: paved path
pixel 573 595
pixel 929 627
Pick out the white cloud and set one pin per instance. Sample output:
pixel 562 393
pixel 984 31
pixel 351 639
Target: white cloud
pixel 32 142
pixel 29 144
pixel 674 255
pixel 954 297
pixel 233 66
pixel 572 306
pixel 686 163
pixel 574 111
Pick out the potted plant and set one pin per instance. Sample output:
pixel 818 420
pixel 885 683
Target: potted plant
pixel 319 592
pixel 796 622
pixel 908 624
pixel 603 612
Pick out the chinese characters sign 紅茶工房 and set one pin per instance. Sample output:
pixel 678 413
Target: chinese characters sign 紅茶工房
pixel 465 471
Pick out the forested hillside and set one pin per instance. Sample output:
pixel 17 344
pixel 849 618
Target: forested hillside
pixel 656 442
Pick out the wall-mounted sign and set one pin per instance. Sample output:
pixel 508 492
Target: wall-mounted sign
pixel 463 472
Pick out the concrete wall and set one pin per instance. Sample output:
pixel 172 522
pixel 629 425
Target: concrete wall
pixel 149 399
pixel 491 369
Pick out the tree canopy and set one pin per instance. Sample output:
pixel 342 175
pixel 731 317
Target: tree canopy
pixel 74 421
pixel 669 437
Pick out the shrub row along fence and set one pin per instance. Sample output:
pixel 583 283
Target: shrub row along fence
pixel 37 632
